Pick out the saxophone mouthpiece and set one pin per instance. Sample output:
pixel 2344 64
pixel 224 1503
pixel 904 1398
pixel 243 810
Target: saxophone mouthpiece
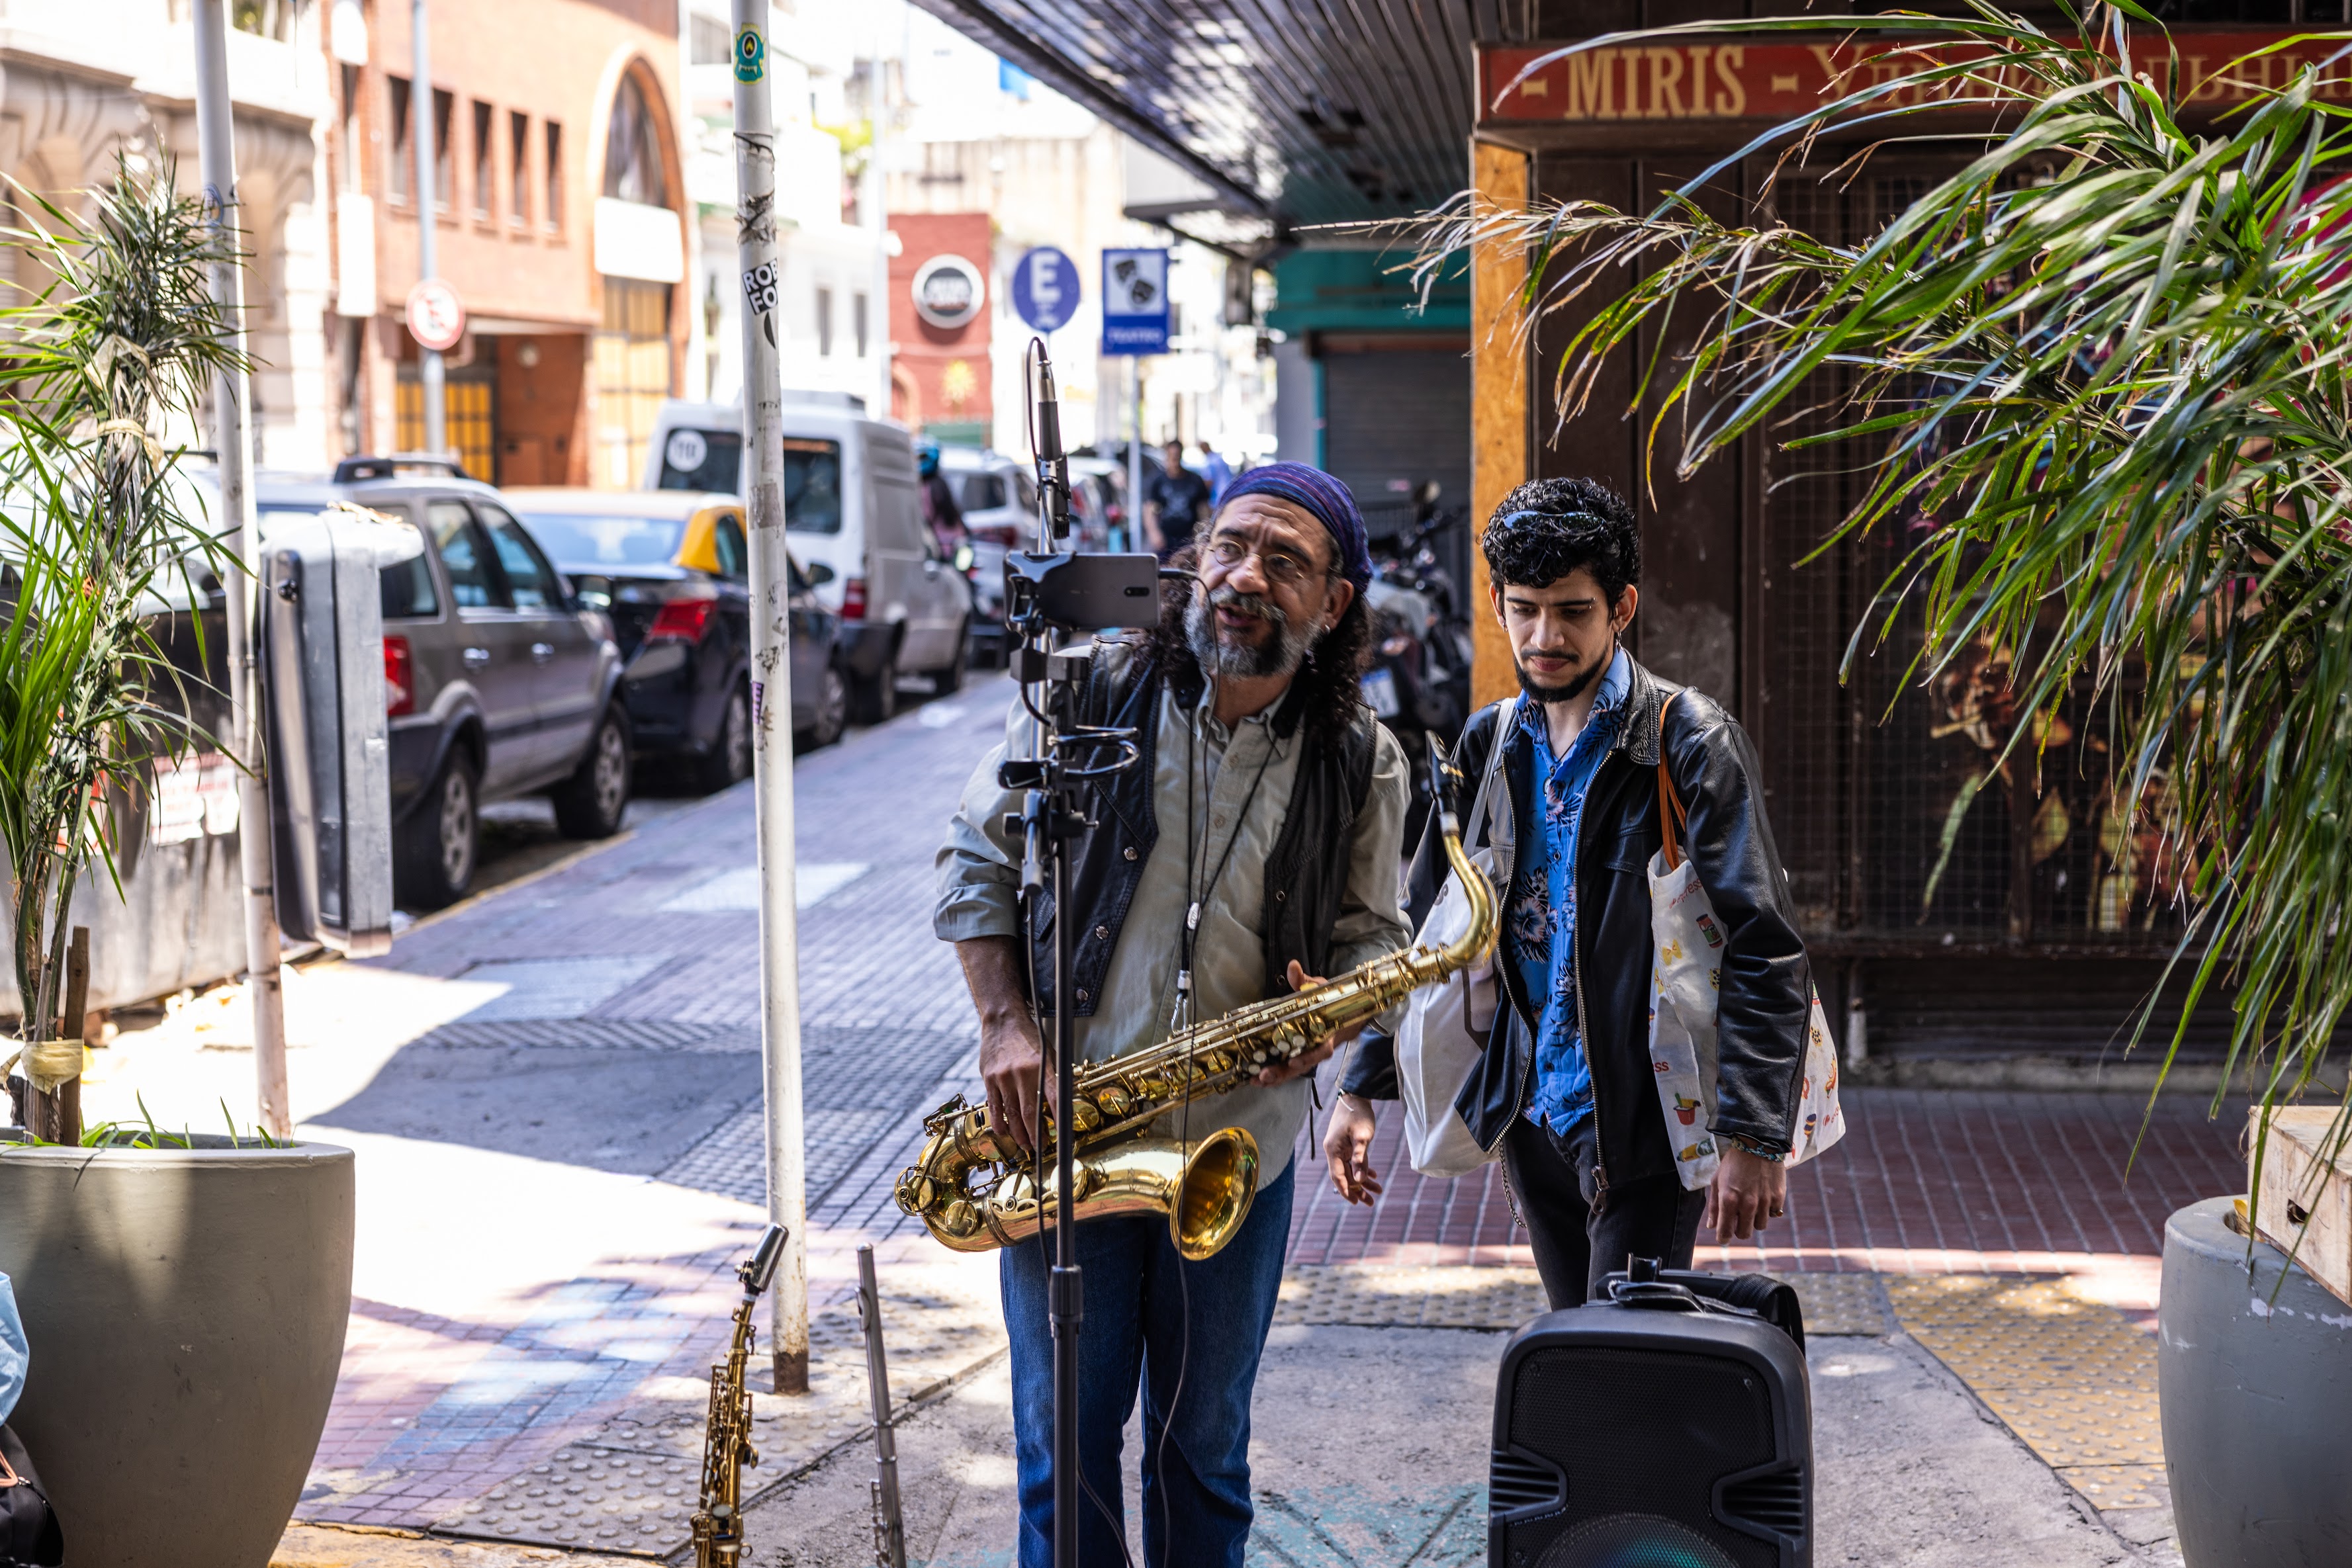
pixel 761 1267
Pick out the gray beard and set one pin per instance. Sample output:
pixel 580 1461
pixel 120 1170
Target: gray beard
pixel 1280 654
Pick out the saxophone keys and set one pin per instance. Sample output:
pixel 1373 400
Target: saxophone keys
pixel 915 1192
pixel 1115 1103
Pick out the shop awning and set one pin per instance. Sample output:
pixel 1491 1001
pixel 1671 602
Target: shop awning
pixel 1291 110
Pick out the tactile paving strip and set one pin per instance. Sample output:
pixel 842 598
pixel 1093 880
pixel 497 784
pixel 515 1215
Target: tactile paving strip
pixel 633 1485
pixel 2074 1379
pixel 1393 1296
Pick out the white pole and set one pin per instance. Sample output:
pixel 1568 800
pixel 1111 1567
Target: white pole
pixel 877 199
pixel 1136 537
pixel 429 213
pixel 771 693
pixel 232 397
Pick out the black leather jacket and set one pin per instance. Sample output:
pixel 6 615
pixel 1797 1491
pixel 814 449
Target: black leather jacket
pixel 1767 989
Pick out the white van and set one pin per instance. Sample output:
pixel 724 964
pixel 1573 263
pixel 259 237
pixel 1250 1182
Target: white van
pixel 853 505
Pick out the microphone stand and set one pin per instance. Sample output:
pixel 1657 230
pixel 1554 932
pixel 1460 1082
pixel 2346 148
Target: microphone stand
pixel 1048 591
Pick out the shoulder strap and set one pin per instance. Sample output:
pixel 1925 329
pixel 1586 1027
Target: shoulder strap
pixel 1504 714
pixel 1672 822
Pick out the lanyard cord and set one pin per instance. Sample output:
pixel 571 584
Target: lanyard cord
pixel 1196 857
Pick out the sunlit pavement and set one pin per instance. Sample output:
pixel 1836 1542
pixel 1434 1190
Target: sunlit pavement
pixel 553 1092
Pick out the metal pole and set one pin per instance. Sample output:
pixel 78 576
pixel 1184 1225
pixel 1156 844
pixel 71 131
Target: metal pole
pixel 1137 538
pixel 772 699
pixel 877 188
pixel 232 397
pixel 428 209
pixel 889 1521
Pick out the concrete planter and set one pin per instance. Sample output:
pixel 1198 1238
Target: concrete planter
pixel 2256 1391
pixel 185 1310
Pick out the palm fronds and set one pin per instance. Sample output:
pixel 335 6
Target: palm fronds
pixel 94 541
pixel 2102 370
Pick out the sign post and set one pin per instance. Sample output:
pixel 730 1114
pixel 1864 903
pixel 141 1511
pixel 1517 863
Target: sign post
pixel 772 695
pixel 428 208
pixel 1135 323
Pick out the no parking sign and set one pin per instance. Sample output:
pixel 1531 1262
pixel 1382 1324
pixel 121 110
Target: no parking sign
pixel 1046 289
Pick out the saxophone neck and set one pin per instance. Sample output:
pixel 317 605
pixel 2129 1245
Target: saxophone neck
pixel 1478 939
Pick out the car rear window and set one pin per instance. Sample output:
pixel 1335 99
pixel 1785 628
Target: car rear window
pixel 702 460
pixel 982 492
pixel 406 586
pixel 605 542
pixel 812 485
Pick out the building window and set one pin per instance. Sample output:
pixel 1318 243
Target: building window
pixel 519 170
pixel 404 152
pixel 857 321
pixel 706 43
pixel 551 211
pixel 347 151
pixel 633 365
pixel 444 162
pixel 485 161
pixel 633 165
pixel 825 321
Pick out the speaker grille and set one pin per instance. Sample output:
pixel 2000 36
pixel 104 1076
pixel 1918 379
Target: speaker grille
pixel 1647 1435
pixel 1632 1541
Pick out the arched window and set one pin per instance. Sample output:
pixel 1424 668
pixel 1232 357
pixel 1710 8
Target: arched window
pixel 632 163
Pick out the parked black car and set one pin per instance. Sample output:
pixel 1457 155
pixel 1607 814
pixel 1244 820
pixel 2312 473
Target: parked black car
pixel 499 680
pixel 672 569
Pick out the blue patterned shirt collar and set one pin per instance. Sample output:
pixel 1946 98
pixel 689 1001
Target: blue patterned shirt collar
pixel 1615 682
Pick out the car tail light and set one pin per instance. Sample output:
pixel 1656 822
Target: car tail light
pixel 399 678
pixel 1005 534
pixel 853 599
pixel 680 621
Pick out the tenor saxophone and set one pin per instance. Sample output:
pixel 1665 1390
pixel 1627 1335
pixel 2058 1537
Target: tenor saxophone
pixel 976 1190
pixel 727 1448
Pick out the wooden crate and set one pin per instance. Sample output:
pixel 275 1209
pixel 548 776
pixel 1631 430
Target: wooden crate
pixel 2305 1205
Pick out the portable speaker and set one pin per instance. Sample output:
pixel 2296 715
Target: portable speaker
pixel 1665 1427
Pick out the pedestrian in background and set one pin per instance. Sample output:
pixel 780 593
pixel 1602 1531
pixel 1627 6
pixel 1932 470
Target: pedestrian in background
pixel 1175 499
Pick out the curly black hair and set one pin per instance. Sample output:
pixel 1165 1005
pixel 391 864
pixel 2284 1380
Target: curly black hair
pixel 1330 683
pixel 1549 527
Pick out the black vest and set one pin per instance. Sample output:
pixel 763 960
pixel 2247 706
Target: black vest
pixel 1306 875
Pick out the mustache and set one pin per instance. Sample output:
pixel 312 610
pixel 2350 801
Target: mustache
pixel 1257 604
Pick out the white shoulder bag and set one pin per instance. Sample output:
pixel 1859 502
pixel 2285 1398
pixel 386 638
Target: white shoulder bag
pixel 1683 1010
pixel 1446 1028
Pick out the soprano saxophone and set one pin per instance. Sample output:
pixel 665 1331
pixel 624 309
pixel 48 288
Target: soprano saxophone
pixel 976 1190
pixel 726 1441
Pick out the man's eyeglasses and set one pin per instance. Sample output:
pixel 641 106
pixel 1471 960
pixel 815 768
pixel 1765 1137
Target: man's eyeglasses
pixel 1278 565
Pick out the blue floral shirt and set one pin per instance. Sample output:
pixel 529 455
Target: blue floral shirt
pixel 1540 917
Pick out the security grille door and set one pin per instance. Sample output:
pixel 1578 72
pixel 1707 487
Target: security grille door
pixel 1393 418
pixel 468 418
pixel 632 377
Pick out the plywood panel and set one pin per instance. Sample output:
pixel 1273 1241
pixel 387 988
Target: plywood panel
pixel 1498 416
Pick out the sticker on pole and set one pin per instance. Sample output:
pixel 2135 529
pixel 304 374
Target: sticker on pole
pixel 437 318
pixel 1135 302
pixel 751 55
pixel 1046 289
pixel 760 287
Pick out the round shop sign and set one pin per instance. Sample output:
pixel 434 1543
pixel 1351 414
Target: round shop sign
pixel 437 318
pixel 949 292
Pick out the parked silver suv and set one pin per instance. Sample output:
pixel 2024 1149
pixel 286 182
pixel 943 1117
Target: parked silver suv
pixel 499 682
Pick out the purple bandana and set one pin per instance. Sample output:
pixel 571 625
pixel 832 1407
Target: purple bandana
pixel 1321 494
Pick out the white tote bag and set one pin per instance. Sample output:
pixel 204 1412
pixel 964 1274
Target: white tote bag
pixel 1444 1035
pixel 1684 1006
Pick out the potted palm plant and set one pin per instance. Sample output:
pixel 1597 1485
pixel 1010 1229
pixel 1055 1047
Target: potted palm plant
pixel 185 1296
pixel 2098 380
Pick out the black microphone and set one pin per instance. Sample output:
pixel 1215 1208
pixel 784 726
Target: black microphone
pixel 1053 463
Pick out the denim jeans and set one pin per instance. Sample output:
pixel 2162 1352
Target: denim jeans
pixel 1191 1333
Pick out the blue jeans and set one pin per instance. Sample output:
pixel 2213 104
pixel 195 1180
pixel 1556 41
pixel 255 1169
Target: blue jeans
pixel 1196 1496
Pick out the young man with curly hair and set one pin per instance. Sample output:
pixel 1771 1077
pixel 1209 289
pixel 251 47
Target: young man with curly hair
pixel 1566 1086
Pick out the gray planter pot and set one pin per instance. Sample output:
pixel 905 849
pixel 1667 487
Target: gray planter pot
pixel 2256 1391
pixel 185 1310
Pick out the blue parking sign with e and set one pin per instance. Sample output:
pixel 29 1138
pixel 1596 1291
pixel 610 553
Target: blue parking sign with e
pixel 1046 289
pixel 1135 302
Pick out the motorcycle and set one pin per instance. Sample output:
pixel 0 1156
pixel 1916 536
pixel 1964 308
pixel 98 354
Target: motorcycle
pixel 1418 682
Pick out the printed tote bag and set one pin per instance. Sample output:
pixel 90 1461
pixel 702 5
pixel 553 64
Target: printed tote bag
pixel 1689 976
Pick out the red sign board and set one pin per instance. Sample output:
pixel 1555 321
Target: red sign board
pixel 1733 78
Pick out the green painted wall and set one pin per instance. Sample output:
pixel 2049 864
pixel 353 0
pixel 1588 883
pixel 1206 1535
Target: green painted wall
pixel 1357 291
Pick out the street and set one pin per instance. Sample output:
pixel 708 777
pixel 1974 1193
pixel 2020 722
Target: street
pixel 554 1090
